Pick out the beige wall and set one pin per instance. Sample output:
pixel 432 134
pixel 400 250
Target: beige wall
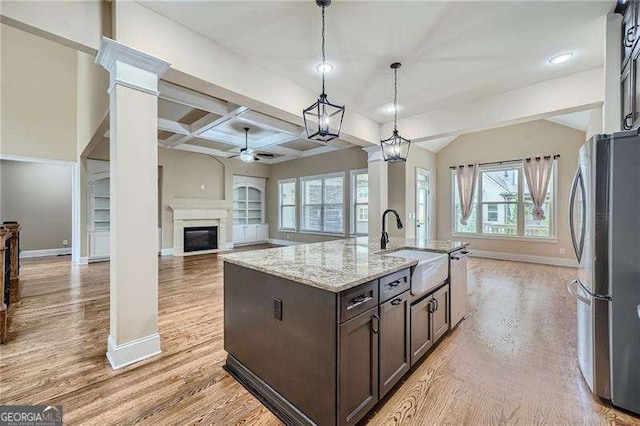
pixel 39 95
pixel 93 99
pixel 337 161
pixel 38 196
pixel 594 126
pixel 540 137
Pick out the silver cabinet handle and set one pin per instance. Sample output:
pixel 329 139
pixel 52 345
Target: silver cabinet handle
pixel 574 293
pixel 357 301
pixel 638 311
pixel 376 321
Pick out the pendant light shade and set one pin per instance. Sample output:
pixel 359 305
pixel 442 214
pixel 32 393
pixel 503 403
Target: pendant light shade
pixel 323 120
pixel 395 148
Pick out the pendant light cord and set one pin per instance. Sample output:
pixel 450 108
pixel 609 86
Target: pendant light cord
pixel 395 99
pixel 323 55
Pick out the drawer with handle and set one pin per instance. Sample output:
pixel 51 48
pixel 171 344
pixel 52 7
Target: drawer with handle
pixel 358 299
pixel 394 284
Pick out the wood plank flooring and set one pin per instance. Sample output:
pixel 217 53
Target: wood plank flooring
pixel 512 361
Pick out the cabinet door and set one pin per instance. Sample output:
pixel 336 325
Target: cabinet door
pixel 263 232
pixel 421 337
pixel 251 233
pixel 394 341
pixel 626 94
pixel 238 234
pixel 629 31
pixel 100 244
pixel 358 367
pixel 440 314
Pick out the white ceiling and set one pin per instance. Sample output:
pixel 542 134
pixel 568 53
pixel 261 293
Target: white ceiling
pixel 575 120
pixel 452 52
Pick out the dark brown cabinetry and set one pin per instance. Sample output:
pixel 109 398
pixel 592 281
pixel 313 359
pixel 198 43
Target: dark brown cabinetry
pixel 429 322
pixel 358 366
pixel 394 341
pixel 630 76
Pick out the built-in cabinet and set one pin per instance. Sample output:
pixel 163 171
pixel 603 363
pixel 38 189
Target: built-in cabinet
pixel 630 76
pixel 378 346
pixel 249 223
pixel 98 211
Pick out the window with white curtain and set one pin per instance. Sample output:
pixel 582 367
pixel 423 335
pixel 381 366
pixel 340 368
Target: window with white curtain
pixel 322 200
pixel 359 202
pixel 502 205
pixel 287 204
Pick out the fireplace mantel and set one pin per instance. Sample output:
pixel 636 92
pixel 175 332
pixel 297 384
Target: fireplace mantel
pixel 190 213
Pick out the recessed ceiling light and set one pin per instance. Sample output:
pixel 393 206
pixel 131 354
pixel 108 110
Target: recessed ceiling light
pixel 324 67
pixel 391 108
pixel 561 58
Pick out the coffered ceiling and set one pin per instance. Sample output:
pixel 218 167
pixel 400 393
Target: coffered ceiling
pixel 452 52
pixel 191 121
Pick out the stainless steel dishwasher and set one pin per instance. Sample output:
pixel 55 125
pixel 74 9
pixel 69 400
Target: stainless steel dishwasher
pixel 458 285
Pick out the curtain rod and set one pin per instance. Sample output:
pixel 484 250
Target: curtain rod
pixel 509 161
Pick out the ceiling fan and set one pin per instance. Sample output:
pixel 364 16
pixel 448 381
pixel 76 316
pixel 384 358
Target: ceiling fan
pixel 247 155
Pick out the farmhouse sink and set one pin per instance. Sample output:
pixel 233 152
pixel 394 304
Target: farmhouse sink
pixel 432 269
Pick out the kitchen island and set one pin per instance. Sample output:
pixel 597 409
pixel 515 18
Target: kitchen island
pixel 321 332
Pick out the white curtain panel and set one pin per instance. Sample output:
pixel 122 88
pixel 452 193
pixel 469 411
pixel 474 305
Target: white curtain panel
pixel 467 176
pixel 537 171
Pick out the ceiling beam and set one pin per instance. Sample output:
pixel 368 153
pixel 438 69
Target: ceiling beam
pixel 202 150
pixel 571 93
pixel 205 124
pixel 270 123
pixel 173 126
pixel 191 98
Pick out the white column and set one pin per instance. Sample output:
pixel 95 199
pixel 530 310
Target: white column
pixel 133 91
pixel 378 189
pixel 611 113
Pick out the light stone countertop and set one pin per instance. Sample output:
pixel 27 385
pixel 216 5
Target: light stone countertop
pixel 337 265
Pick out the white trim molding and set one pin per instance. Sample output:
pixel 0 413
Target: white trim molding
pixel 374 153
pixel 134 351
pixel 284 242
pixel 63 251
pixel 166 251
pixel 528 258
pixel 130 67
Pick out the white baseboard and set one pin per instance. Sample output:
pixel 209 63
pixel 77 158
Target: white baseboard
pixel 131 352
pixel 284 242
pixel 26 254
pixel 166 251
pixel 83 261
pixel 230 246
pixel 528 258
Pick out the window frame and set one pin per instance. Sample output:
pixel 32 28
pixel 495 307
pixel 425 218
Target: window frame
pixel 353 201
pixel 553 204
pixel 323 178
pixel 295 204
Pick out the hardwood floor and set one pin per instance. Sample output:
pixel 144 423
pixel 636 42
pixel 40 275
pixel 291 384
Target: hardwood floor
pixel 511 361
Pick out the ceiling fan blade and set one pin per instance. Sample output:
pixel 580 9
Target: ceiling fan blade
pixel 234 156
pixel 255 158
pixel 260 154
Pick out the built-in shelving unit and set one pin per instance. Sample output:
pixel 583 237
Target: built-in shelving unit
pixel 249 225
pixel 98 210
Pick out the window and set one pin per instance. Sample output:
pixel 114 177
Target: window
pixel 502 205
pixel 359 202
pixel 323 203
pixel 287 204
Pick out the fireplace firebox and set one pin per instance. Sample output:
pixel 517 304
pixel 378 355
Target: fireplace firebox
pixel 200 238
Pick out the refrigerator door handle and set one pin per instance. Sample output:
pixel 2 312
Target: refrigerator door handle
pixel 638 311
pixel 577 244
pixel 572 288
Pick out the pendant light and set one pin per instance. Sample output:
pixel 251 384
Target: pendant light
pixel 323 120
pixel 396 148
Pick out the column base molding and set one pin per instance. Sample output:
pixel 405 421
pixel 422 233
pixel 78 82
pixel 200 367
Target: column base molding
pixel 120 356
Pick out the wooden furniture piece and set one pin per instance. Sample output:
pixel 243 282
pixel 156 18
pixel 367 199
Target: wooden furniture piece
pixel 630 74
pixel 5 276
pixel 14 241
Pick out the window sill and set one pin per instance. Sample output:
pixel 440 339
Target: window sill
pixel 505 238
pixel 290 230
pixel 329 234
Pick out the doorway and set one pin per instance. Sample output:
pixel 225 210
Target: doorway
pixel 423 203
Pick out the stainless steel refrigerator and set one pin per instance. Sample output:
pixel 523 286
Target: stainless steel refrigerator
pixel 604 219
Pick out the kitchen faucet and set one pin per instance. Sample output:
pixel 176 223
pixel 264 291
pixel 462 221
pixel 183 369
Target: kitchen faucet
pixel 384 240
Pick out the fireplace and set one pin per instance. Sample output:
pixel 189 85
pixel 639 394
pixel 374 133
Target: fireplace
pixel 198 238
